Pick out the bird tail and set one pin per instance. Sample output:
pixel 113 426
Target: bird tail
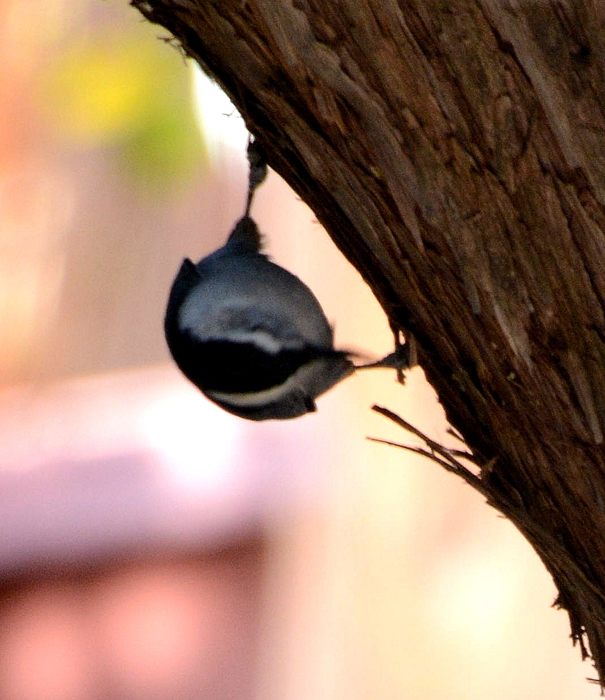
pixel 245 237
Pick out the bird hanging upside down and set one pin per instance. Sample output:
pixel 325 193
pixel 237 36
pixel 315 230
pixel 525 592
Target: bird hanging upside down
pixel 251 335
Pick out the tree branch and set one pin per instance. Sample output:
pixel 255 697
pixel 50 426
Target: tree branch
pixel 455 152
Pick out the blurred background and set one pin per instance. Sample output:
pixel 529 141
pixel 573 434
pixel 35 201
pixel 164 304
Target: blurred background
pixel 153 547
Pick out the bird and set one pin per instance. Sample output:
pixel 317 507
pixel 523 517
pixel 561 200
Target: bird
pixel 249 333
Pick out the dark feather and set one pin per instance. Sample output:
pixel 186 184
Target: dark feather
pixel 242 368
pixel 245 237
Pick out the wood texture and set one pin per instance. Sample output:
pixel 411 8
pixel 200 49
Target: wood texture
pixel 455 151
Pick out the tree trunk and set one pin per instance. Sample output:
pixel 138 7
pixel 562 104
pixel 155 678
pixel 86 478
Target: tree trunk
pixel 455 152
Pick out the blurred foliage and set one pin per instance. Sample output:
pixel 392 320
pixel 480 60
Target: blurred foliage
pixel 128 90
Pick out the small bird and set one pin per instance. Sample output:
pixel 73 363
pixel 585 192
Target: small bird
pixel 251 335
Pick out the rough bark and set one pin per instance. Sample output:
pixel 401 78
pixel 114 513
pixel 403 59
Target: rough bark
pixel 455 152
